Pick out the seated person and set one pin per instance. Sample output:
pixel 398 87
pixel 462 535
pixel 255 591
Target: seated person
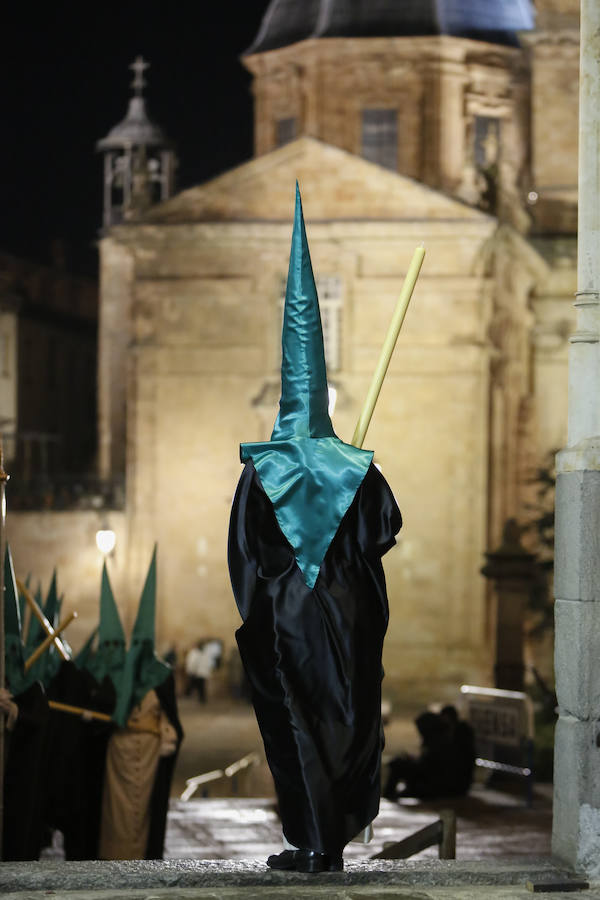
pixel 444 766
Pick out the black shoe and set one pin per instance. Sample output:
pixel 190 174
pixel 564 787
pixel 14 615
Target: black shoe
pixel 283 861
pixel 311 861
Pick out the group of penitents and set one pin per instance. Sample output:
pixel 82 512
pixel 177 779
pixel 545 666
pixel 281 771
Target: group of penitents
pixel 311 520
pixel 92 738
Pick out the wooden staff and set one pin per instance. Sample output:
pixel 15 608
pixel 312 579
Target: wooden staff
pixel 47 641
pixel 3 480
pixel 102 717
pixel 388 346
pixel 79 711
pixel 37 612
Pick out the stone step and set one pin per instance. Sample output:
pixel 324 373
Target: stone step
pixel 61 877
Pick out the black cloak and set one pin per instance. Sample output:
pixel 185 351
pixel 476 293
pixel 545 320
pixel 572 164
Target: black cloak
pixel 159 802
pixel 313 658
pixel 25 777
pixel 76 755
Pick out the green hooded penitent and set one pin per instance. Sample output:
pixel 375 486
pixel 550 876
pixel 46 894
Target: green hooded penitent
pixel 35 633
pixel 16 679
pixel 22 600
pixel 50 661
pixel 46 666
pixel 83 659
pixel 309 474
pixel 143 669
pixel 109 659
pixel 52 607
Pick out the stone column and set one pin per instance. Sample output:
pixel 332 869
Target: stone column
pixel 512 571
pixel 451 149
pixel 576 829
pixel 114 332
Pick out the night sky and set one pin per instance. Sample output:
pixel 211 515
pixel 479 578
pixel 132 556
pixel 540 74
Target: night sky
pixel 66 82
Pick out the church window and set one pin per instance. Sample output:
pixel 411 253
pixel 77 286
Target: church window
pixel 285 130
pixel 486 148
pixel 380 137
pixel 329 290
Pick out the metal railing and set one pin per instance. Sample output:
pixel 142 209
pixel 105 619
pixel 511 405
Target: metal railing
pixel 202 782
pixel 441 833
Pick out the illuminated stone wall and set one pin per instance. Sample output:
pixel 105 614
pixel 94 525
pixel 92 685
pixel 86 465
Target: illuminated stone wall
pixel 452 426
pixel 437 86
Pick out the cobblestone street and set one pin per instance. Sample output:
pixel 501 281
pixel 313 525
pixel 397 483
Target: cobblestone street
pixel 490 823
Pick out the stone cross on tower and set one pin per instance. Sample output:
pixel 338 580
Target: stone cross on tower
pixel 139 66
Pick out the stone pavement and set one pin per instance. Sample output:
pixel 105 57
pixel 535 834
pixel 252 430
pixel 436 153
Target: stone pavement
pixel 490 823
pixel 216 847
pixel 189 880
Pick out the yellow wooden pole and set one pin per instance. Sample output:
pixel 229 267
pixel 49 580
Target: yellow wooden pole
pixel 37 612
pixel 388 346
pixel 102 717
pixel 47 641
pixel 79 711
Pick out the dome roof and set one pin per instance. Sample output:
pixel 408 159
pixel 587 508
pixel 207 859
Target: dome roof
pixel 288 21
pixel 136 128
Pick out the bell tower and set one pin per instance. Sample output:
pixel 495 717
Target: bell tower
pixel 139 160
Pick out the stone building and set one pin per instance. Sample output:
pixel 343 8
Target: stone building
pixel 457 129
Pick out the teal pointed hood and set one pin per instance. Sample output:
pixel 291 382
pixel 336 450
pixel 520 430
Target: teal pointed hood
pixel 143 669
pixel 303 407
pixel 109 659
pixel 13 644
pixel 310 476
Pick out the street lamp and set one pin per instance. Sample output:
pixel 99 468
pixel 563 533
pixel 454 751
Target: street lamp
pixel 105 541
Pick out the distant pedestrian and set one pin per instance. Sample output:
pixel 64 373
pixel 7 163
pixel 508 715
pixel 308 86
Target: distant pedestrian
pixel 198 666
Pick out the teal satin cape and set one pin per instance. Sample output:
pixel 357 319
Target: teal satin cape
pixel 308 473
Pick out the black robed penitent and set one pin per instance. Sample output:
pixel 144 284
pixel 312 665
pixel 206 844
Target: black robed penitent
pixel 311 519
pixel 313 657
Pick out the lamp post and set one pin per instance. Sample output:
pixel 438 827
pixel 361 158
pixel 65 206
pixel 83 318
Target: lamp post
pixel 106 541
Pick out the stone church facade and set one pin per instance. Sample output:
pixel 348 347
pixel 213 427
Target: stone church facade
pixel 466 144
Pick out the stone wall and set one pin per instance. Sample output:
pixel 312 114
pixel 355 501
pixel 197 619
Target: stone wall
pixel 43 541
pixel 437 86
pixel 203 376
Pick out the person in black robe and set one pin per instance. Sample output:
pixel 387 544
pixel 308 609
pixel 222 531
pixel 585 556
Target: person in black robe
pixel 444 766
pixel 159 802
pixel 25 738
pixel 462 750
pixel 24 781
pixel 311 519
pixel 428 774
pixel 75 754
